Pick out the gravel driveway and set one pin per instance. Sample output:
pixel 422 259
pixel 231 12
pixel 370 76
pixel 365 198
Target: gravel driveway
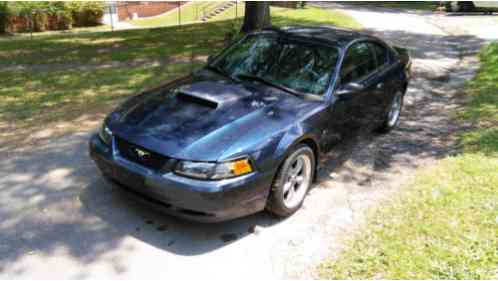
pixel 60 219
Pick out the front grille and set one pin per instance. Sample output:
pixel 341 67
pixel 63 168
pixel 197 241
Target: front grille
pixel 144 197
pixel 143 156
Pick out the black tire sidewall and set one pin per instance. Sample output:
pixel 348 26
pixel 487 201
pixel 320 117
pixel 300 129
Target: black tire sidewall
pixel 275 202
pixel 385 128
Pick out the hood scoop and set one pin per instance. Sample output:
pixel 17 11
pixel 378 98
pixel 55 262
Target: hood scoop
pixel 196 99
pixel 213 94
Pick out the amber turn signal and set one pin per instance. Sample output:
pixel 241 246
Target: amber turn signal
pixel 241 167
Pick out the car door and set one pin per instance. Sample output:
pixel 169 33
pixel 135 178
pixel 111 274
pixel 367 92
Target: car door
pixel 354 110
pixel 383 81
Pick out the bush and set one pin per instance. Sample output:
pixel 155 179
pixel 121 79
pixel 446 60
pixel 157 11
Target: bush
pixel 64 20
pixel 37 12
pixel 86 13
pixel 40 21
pixel 27 8
pixel 49 15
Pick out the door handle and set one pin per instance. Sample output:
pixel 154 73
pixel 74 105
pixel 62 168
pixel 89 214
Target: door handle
pixel 380 85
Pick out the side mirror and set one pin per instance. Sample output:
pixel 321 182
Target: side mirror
pixel 349 89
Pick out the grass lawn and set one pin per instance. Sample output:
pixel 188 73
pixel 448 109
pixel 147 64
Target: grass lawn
pixel 446 225
pixel 72 31
pixel 311 16
pixel 59 77
pixel 232 13
pixel 33 98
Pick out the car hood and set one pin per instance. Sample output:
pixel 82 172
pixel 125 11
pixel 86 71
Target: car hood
pixel 202 116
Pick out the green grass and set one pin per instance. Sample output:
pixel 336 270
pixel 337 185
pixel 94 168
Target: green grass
pixel 72 31
pixel 189 13
pixel 106 47
pixel 281 16
pixel 231 13
pixel 483 107
pixel 311 16
pixel 30 97
pixel 40 97
pixel 445 226
pixel 41 93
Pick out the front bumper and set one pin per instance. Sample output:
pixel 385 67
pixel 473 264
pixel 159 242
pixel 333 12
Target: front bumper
pixel 199 200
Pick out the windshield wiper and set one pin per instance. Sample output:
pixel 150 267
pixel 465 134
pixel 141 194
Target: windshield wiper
pixel 269 83
pixel 220 70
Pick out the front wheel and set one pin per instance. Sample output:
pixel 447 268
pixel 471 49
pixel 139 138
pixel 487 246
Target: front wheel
pixel 392 118
pixel 292 183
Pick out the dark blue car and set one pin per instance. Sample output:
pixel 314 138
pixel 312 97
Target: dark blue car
pixel 245 132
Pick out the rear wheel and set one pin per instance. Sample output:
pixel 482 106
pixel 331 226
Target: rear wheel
pixel 392 118
pixel 467 6
pixel 453 6
pixel 460 6
pixel 292 183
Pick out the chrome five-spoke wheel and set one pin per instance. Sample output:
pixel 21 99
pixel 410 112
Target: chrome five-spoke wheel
pixel 392 118
pixel 395 110
pixel 298 180
pixel 292 182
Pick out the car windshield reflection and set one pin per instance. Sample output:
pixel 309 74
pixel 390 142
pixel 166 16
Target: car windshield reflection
pixel 292 65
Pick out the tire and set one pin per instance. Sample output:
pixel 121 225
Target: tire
pixel 287 193
pixel 453 7
pixel 467 6
pixel 391 120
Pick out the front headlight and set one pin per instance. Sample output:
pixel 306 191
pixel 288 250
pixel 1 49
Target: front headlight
pixel 105 135
pixel 214 171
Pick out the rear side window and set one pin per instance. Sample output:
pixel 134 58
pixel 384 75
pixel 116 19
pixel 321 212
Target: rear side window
pixel 359 62
pixel 381 54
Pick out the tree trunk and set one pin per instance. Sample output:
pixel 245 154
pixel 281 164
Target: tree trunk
pixel 257 16
pixel 3 17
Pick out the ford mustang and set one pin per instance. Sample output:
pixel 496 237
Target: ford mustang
pixel 245 132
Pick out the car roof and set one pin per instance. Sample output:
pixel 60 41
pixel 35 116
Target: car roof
pixel 328 34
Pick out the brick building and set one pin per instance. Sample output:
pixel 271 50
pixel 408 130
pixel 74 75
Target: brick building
pixel 121 11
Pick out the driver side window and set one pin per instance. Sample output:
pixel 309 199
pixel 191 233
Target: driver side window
pixel 358 63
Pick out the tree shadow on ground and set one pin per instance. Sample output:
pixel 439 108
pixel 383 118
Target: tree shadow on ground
pixel 103 47
pixel 471 14
pixel 164 231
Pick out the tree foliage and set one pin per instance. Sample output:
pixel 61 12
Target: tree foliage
pixel 3 16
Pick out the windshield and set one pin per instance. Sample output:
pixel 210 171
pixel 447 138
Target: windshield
pixel 298 66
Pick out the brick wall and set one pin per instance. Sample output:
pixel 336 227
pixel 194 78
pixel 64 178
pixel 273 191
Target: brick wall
pixel 145 8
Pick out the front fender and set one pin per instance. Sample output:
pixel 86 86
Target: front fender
pixel 297 134
pixel 268 144
pixel 275 150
